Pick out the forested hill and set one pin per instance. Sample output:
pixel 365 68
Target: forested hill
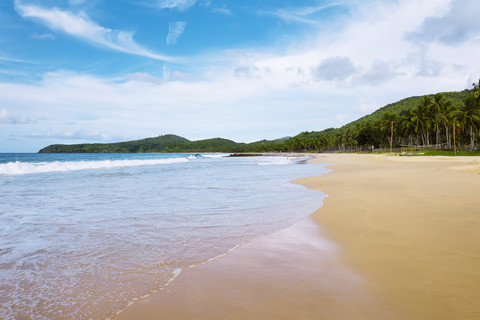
pixel 405 105
pixel 416 121
pixel 165 143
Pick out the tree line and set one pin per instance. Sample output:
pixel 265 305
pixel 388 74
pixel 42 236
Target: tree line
pixel 435 122
pixel 442 121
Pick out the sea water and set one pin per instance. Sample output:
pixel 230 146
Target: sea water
pixel 83 236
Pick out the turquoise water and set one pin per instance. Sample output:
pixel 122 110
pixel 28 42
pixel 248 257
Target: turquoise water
pixel 85 235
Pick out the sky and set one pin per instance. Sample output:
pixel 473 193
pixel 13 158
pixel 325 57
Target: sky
pixel 88 71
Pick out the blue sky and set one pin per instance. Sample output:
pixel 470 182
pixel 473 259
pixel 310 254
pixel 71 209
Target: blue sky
pixel 78 71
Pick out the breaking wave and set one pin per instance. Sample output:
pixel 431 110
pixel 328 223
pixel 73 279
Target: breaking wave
pixel 19 168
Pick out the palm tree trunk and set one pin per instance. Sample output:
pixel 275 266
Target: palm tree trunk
pixel 438 136
pixel 472 137
pixel 447 135
pixel 391 138
pixel 454 142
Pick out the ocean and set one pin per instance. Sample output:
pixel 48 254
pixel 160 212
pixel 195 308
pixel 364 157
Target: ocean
pixel 83 236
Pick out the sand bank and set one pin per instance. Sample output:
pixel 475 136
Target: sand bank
pixel 403 243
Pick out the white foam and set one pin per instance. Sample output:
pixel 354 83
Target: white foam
pixel 19 168
pixel 277 161
pixel 175 274
pixel 218 155
pixel 219 256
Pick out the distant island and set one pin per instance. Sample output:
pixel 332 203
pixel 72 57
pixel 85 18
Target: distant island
pixel 444 121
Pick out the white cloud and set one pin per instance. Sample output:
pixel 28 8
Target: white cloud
pixel 429 67
pixel 80 26
pixel 7 59
pixel 251 72
pixel 8 118
pixel 460 23
pixel 365 107
pixel 180 5
pixel 300 15
pixel 216 8
pixel 335 68
pixel 140 77
pixel 72 135
pixel 230 107
pixel 379 73
pixel 223 10
pixel 175 30
pixel 43 36
pixel 371 48
pixel 341 117
pixel 245 72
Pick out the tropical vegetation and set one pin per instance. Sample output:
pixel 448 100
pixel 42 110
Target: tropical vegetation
pixel 442 121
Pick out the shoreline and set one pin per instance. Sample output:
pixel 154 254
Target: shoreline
pixel 385 256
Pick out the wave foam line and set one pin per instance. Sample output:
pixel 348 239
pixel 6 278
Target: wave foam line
pixel 277 161
pixel 218 155
pixel 175 274
pixel 19 168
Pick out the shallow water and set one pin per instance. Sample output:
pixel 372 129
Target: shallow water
pixel 84 235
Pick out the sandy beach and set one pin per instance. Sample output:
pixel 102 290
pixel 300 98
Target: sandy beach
pixel 396 238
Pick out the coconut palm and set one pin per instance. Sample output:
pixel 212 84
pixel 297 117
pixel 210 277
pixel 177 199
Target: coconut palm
pixel 469 115
pixel 388 122
pixel 439 106
pixel 421 119
pixel 406 127
pixel 446 118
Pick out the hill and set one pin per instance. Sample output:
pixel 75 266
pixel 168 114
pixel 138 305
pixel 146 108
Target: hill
pixel 372 129
pixel 456 97
pixel 158 144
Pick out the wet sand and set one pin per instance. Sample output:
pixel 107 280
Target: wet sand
pixel 403 243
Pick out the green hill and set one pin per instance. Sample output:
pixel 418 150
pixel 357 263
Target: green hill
pixel 207 145
pixel 158 144
pixel 373 129
pixel 407 104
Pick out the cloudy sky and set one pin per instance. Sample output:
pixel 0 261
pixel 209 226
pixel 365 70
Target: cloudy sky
pixel 75 71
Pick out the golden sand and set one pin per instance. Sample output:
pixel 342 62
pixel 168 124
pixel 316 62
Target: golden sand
pixel 411 226
pixel 403 243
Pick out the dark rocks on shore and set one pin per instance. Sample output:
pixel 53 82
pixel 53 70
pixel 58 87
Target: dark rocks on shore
pixel 246 155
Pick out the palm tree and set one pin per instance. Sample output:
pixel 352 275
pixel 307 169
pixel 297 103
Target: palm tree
pixel 407 127
pixel 440 108
pixel 421 120
pixel 469 114
pixel 389 119
pixel 416 118
pixel 446 118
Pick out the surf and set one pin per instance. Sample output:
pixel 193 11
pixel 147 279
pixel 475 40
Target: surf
pixel 22 168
